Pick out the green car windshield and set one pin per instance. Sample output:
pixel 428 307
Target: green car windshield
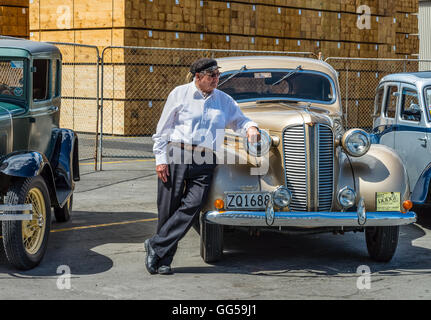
pixel 12 79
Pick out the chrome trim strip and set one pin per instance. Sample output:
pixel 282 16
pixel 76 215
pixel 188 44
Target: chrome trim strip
pixel 310 219
pixel 15 217
pixel 15 207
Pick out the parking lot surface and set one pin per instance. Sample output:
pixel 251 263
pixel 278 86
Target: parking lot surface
pixel 99 254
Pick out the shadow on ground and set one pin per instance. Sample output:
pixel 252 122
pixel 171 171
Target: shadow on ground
pixel 72 243
pixel 270 254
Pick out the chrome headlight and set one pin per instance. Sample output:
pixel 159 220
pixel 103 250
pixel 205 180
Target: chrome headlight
pixel 356 142
pixel 261 148
pixel 346 197
pixel 282 196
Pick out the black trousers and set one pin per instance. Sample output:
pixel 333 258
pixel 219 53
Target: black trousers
pixel 179 203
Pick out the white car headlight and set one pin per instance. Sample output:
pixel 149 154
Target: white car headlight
pixel 356 142
pixel 261 148
pixel 346 197
pixel 281 196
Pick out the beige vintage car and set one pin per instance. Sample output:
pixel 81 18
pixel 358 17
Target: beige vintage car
pixel 307 173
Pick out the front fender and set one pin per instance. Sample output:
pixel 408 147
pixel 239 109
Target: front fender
pixel 420 191
pixel 27 164
pixel 379 170
pixel 64 162
pixel 23 164
pixel 228 177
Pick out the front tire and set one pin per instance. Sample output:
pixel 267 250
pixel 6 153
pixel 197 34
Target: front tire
pixel 211 240
pixel 25 242
pixel 382 242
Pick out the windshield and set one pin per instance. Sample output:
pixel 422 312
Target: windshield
pixel 12 79
pixel 265 84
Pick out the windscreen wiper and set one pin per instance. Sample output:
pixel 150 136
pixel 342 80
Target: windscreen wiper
pixel 298 68
pixel 243 68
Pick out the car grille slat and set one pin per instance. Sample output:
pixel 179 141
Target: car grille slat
pixel 326 167
pixel 296 148
pixel 295 166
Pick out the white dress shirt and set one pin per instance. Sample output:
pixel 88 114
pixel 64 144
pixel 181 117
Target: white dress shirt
pixel 191 118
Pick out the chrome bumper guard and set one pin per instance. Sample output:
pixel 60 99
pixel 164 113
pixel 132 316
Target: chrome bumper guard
pixel 310 219
pixel 15 208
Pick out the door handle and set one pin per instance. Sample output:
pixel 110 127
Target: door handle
pixel 424 140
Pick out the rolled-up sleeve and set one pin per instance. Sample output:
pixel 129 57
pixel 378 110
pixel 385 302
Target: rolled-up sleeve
pixel 164 128
pixel 237 121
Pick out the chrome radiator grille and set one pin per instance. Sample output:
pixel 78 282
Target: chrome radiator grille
pixel 295 166
pixel 325 167
pixel 309 166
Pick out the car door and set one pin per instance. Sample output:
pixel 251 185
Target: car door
pixel 411 141
pixel 43 110
pixel 385 121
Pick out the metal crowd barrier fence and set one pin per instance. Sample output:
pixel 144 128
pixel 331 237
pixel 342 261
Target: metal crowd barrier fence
pixel 114 100
pixel 81 95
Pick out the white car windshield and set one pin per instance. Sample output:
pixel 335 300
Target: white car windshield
pixel 269 85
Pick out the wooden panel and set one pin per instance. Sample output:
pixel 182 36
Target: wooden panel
pixel 14 21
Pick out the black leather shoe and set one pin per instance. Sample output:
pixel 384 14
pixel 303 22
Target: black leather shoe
pixel 151 259
pixel 164 269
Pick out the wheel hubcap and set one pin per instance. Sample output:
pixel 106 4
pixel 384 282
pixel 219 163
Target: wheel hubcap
pixel 34 230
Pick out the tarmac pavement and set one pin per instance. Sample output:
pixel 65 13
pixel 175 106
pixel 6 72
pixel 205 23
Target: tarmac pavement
pixel 99 254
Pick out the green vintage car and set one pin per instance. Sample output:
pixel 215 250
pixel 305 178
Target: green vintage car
pixel 38 160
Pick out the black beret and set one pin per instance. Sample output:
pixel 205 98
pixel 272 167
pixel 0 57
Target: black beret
pixel 202 65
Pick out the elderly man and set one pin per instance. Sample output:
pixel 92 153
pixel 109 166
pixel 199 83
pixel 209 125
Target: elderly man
pixel 192 113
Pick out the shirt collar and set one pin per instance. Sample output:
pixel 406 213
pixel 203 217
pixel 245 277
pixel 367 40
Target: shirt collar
pixel 198 91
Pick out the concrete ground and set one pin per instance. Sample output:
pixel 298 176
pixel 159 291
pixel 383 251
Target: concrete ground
pixel 115 211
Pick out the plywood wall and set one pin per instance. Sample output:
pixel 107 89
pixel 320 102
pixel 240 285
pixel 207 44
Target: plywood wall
pixel 14 18
pixel 294 25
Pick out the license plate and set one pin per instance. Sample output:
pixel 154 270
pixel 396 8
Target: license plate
pixel 388 201
pixel 247 200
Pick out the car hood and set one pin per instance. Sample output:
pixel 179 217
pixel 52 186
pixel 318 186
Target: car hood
pixel 276 116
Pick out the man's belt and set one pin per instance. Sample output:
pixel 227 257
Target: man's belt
pixel 190 147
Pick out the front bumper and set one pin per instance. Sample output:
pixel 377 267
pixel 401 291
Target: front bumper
pixel 9 212
pixel 310 219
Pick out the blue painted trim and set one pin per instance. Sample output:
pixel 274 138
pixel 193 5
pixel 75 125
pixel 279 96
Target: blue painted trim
pixel 379 131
